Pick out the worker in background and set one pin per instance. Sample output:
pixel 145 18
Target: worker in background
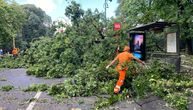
pixel 15 52
pixel 1 53
pixel 123 57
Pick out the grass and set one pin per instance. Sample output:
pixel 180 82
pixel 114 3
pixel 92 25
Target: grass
pixel 7 88
pixel 3 79
pixel 36 87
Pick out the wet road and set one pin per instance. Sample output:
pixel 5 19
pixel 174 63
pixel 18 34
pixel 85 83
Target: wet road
pixel 19 79
pixel 16 99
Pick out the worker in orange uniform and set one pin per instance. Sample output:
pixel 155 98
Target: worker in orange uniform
pixel 123 57
pixel 15 52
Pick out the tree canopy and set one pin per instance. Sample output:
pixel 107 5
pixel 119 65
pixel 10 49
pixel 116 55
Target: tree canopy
pixel 74 12
pixel 37 23
pixel 12 18
pixel 135 12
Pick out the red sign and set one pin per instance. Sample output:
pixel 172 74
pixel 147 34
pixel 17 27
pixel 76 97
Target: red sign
pixel 117 26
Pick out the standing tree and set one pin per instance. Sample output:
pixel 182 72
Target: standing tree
pixel 12 17
pixel 83 19
pixel 145 11
pixel 74 12
pixel 37 24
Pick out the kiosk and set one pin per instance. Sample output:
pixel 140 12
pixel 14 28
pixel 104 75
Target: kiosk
pixel 138 42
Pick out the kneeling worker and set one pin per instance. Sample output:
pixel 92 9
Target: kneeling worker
pixel 123 57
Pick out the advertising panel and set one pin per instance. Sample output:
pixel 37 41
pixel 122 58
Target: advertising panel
pixel 137 44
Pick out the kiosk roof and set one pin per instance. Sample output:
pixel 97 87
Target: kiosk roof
pixel 152 26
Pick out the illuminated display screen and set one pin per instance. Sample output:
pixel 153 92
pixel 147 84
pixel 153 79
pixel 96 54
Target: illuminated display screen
pixel 137 45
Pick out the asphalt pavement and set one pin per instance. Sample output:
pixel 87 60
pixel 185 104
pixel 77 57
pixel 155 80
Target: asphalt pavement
pixel 17 99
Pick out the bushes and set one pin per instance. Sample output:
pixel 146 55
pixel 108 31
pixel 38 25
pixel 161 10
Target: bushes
pixel 7 88
pixel 36 87
pixel 10 62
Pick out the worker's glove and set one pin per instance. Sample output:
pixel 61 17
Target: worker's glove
pixel 107 66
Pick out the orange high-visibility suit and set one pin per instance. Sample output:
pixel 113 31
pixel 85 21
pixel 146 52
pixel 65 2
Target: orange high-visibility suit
pixel 122 58
pixel 15 51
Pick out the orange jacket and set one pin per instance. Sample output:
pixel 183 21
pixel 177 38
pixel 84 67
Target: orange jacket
pixel 15 51
pixel 123 58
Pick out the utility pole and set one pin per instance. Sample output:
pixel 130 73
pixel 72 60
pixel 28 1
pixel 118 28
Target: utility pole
pixel 105 6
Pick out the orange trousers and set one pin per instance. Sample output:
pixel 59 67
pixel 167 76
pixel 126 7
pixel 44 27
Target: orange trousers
pixel 120 82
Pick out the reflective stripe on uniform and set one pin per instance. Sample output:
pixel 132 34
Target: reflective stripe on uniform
pixel 121 80
pixel 117 86
pixel 116 90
